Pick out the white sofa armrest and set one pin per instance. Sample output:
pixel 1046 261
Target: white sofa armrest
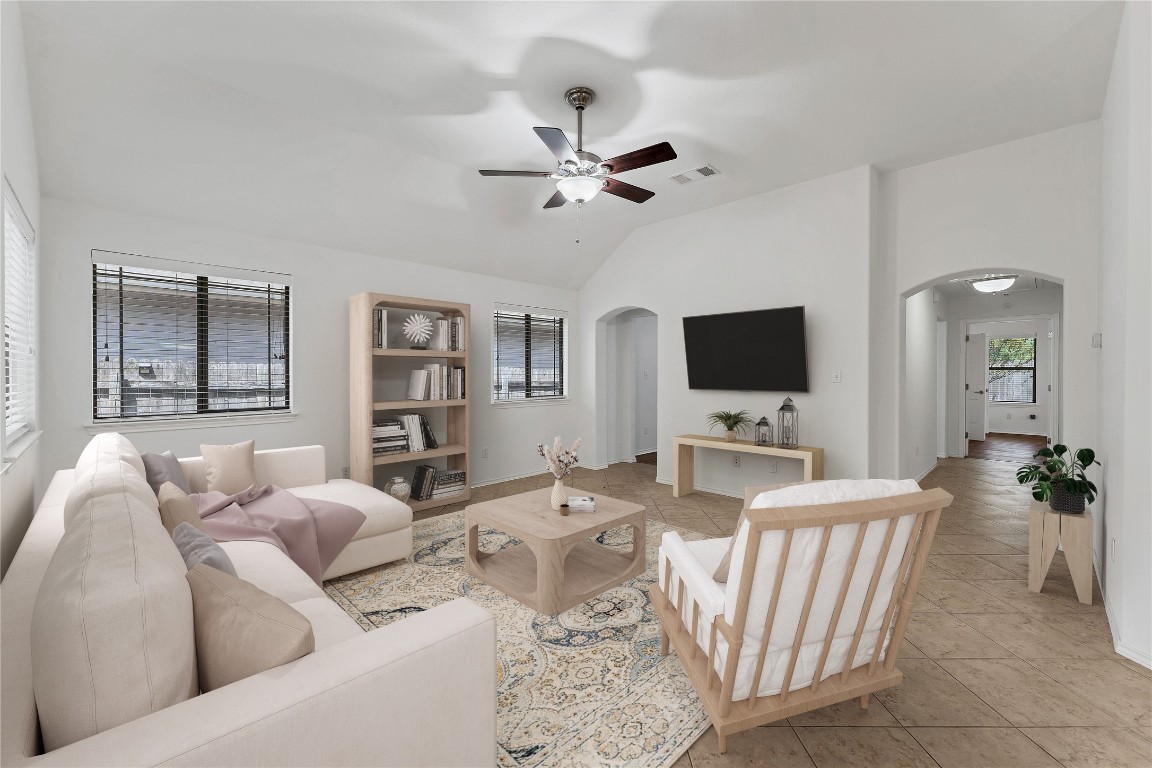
pixel 285 467
pixel 419 692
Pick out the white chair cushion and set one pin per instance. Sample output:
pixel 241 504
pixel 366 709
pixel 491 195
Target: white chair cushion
pixel 384 513
pixel 102 479
pixel 112 632
pixel 109 447
pixel 694 562
pixel 266 566
pixel 797 576
pixel 330 624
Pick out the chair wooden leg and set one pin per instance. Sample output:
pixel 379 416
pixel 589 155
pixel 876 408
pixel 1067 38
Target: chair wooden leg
pixel 722 742
pixel 864 701
pixel 663 641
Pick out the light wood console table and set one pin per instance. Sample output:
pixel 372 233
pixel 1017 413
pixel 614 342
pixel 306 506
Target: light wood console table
pixel 1048 528
pixel 684 458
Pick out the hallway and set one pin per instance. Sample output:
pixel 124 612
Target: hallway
pixel 998 446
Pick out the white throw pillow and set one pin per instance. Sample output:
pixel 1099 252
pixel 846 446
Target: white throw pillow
pixel 230 468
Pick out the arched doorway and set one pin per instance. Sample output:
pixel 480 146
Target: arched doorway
pixel 626 384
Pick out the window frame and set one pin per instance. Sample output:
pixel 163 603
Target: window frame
pixel 205 276
pixel 1032 368
pixel 12 441
pixel 565 332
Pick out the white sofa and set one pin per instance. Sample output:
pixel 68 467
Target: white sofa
pixel 421 691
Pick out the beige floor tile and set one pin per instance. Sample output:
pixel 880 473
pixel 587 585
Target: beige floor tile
pixel 856 747
pixel 1093 747
pixel 970 567
pixel 1088 629
pixel 1137 668
pixel 941 547
pixel 930 696
pixel 1014 690
pixel 1028 637
pixel 943 636
pixel 1108 685
pixel 1018 541
pixel 910 651
pixel 969 747
pixel 1017 565
pixel 847 713
pixel 776 746
pixel 684 762
pixel 958 596
pixel 1055 597
pixel 976 545
pixel 702 524
pixel 935 572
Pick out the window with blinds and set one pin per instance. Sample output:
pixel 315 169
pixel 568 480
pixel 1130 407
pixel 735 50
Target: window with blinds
pixel 529 354
pixel 183 344
pixel 1012 370
pixel 19 321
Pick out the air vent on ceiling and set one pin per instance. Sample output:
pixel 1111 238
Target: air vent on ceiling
pixel 695 174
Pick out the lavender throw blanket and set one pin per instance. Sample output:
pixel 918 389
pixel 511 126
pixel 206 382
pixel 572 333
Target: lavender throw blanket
pixel 310 531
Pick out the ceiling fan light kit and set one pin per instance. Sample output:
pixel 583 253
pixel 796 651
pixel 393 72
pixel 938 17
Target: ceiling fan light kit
pixel 994 284
pixel 581 175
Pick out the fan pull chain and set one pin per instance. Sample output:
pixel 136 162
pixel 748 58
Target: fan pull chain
pixel 579 205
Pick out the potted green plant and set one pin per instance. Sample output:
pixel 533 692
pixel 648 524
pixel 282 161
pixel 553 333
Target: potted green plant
pixel 732 422
pixel 1059 479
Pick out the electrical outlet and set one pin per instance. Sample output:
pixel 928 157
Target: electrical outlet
pixel 736 461
pixel 1113 549
pixel 346 472
pixel 772 466
pixel 483 453
pixel 836 378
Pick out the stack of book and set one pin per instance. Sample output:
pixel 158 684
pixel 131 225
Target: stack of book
pixel 420 437
pixel 448 334
pixel 436 382
pixel 380 328
pixel 431 483
pixel 389 436
pixel 448 483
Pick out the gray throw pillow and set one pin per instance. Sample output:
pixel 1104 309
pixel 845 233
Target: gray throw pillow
pixel 197 547
pixel 160 468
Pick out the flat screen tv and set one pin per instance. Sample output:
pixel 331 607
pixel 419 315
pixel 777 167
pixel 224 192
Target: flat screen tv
pixel 761 350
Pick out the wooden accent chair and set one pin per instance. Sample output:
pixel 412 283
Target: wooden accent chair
pixel 816 605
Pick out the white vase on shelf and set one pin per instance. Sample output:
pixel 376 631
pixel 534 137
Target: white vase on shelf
pixel 559 494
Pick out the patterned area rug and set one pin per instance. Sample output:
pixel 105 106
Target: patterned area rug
pixel 585 688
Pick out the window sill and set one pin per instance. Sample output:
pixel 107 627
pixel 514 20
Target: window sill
pixel 190 422
pixel 531 402
pixel 12 455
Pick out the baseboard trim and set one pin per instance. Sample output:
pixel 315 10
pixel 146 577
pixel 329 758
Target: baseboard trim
pixel 928 471
pixel 1133 654
pixel 1122 648
pixel 706 489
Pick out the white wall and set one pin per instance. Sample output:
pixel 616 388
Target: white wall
pixel 918 444
pixel 645 338
pixel 323 281
pixel 18 164
pixel 1030 418
pixel 806 244
pixel 961 309
pixel 1124 526
pixel 1029 206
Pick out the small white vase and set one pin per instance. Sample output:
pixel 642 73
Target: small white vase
pixel 559 494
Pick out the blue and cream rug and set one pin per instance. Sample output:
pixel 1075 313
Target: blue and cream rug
pixel 585 688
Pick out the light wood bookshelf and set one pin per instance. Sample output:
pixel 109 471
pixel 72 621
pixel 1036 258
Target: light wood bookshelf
pixel 368 365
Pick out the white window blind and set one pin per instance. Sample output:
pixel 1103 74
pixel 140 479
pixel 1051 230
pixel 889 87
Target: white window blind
pixel 181 343
pixel 19 321
pixel 529 354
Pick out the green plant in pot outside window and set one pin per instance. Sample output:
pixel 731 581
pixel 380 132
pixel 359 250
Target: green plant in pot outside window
pixel 733 422
pixel 1059 479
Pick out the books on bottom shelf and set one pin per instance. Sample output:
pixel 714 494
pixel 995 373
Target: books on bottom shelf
pixel 431 483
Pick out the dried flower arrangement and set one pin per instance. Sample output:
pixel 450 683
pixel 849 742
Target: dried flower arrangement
pixel 560 459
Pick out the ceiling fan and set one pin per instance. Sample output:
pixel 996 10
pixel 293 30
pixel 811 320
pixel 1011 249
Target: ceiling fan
pixel 581 175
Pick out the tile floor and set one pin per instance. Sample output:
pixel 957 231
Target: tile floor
pixel 994 675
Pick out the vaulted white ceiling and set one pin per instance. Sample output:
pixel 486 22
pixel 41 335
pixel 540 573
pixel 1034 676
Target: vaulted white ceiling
pixel 362 125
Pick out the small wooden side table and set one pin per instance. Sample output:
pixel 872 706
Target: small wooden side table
pixel 1048 528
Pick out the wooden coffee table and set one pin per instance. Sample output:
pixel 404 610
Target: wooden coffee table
pixel 555 567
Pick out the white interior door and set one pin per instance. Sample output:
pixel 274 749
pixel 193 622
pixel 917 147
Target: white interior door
pixel 976 386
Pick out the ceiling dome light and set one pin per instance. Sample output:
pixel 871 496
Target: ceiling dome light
pixel 580 189
pixel 994 284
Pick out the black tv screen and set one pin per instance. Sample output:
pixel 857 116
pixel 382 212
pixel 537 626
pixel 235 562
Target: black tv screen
pixel 761 350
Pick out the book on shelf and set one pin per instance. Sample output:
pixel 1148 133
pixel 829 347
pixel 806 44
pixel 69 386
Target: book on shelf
pixel 418 384
pixel 422 480
pixel 418 432
pixel 379 328
pixel 456 334
pixel 440 335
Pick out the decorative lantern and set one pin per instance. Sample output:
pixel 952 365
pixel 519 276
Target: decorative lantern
pixel 788 424
pixel 763 431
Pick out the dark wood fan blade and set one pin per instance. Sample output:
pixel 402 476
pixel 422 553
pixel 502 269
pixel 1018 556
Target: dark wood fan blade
pixel 556 200
pixel 657 153
pixel 515 173
pixel 627 191
pixel 558 143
